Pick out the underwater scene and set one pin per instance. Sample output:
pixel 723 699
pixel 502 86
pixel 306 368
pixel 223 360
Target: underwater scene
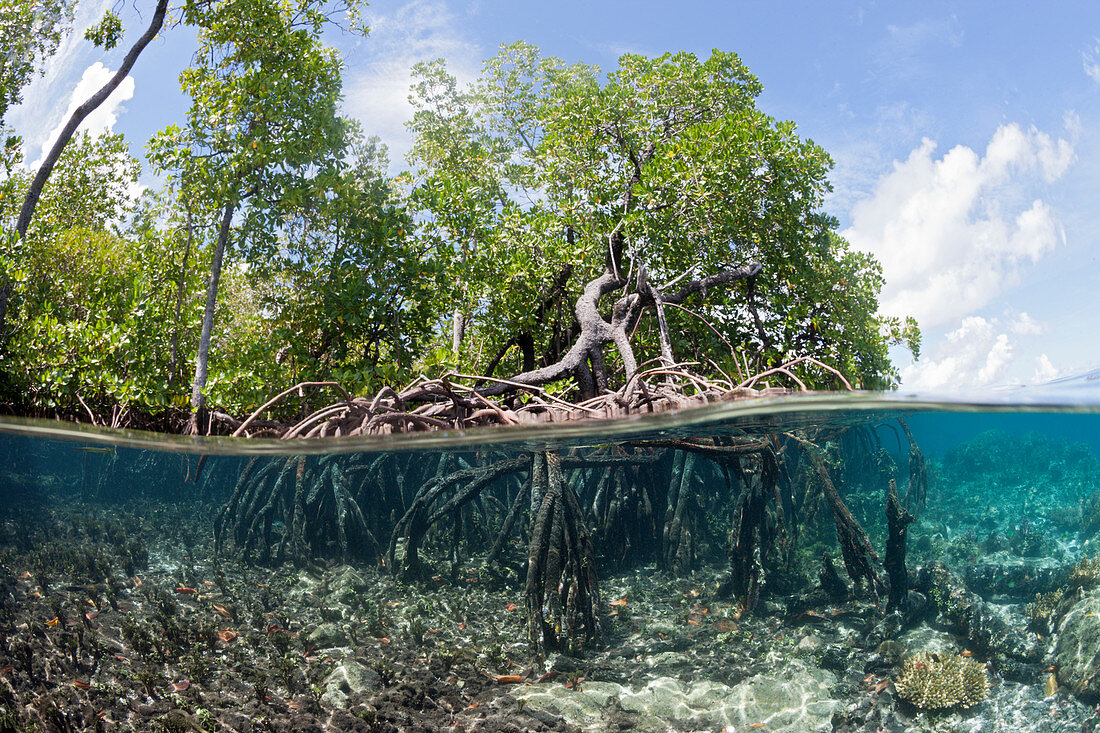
pixel 788 565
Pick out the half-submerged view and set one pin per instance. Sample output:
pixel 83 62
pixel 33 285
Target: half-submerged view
pixel 348 383
pixel 800 564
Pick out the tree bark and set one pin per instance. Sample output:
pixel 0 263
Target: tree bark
pixel 855 548
pixel 597 331
pixel 179 301
pixel 897 524
pixel 201 362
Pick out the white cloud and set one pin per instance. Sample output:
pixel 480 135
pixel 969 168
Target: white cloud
pixel 951 232
pixel 378 90
pixel 42 106
pixel 1025 325
pixel 1091 60
pixel 102 118
pixel 1044 370
pixel 980 352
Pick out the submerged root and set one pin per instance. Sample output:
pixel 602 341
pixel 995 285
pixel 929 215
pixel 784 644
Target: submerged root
pixel 561 587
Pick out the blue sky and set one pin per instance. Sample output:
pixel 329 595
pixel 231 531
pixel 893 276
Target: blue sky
pixel 966 138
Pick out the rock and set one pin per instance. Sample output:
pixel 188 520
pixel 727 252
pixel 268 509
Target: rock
pixel 987 627
pixel 1077 651
pixel 809 643
pixel 1004 575
pixel 349 678
pixel 326 636
pixel 345 586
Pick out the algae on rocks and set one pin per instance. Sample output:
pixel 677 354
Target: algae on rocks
pixel 1077 651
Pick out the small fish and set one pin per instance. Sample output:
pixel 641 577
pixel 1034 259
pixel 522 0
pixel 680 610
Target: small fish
pixel 1051 686
pixel 185 590
pixel 137 581
pixel 35 593
pixel 91 614
pixel 120 658
pixel 227 635
pixel 505 679
pixel 880 686
pixel 384 639
pixel 620 602
pixel 81 684
pixel 462 626
pixel 6 669
pixel 222 611
pixel 292 705
pixel 208 582
pixel 511 607
pixel 433 631
pixel 53 621
pixel 757 725
pixel 180 686
pixel 25 574
pixel 95 449
pixel 472 705
pixel 693 621
pixel 966 653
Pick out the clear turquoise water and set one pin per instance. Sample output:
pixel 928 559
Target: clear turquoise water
pixel 1013 478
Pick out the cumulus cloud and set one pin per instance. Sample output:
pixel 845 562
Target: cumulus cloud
pixel 1044 370
pixel 378 88
pixel 951 232
pixel 42 106
pixel 104 117
pixel 980 352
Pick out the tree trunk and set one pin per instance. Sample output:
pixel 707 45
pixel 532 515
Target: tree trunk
pixel 855 548
pixel 66 134
pixel 179 300
pixel 897 522
pixel 197 399
pixel 458 330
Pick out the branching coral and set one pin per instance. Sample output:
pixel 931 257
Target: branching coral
pixel 1085 573
pixel 1043 605
pixel 936 681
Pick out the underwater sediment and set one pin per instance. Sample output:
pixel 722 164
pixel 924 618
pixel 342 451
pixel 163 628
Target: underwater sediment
pixel 831 575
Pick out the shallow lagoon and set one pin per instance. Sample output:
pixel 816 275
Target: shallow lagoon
pixel 664 572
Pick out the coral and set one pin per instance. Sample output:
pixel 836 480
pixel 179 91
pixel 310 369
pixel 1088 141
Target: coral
pixel 935 681
pixel 1085 573
pixel 1090 514
pixel 1043 605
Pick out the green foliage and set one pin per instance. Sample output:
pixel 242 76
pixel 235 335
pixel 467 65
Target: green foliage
pixel 29 32
pixel 531 176
pixel 106 32
pixel 353 294
pixel 541 166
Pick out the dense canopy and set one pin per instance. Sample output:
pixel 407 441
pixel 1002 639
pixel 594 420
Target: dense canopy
pixel 557 225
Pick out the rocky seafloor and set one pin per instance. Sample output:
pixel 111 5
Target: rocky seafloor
pixel 121 619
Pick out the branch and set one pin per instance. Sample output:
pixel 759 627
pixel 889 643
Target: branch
pixel 718 278
pixel 80 113
pixel 284 393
